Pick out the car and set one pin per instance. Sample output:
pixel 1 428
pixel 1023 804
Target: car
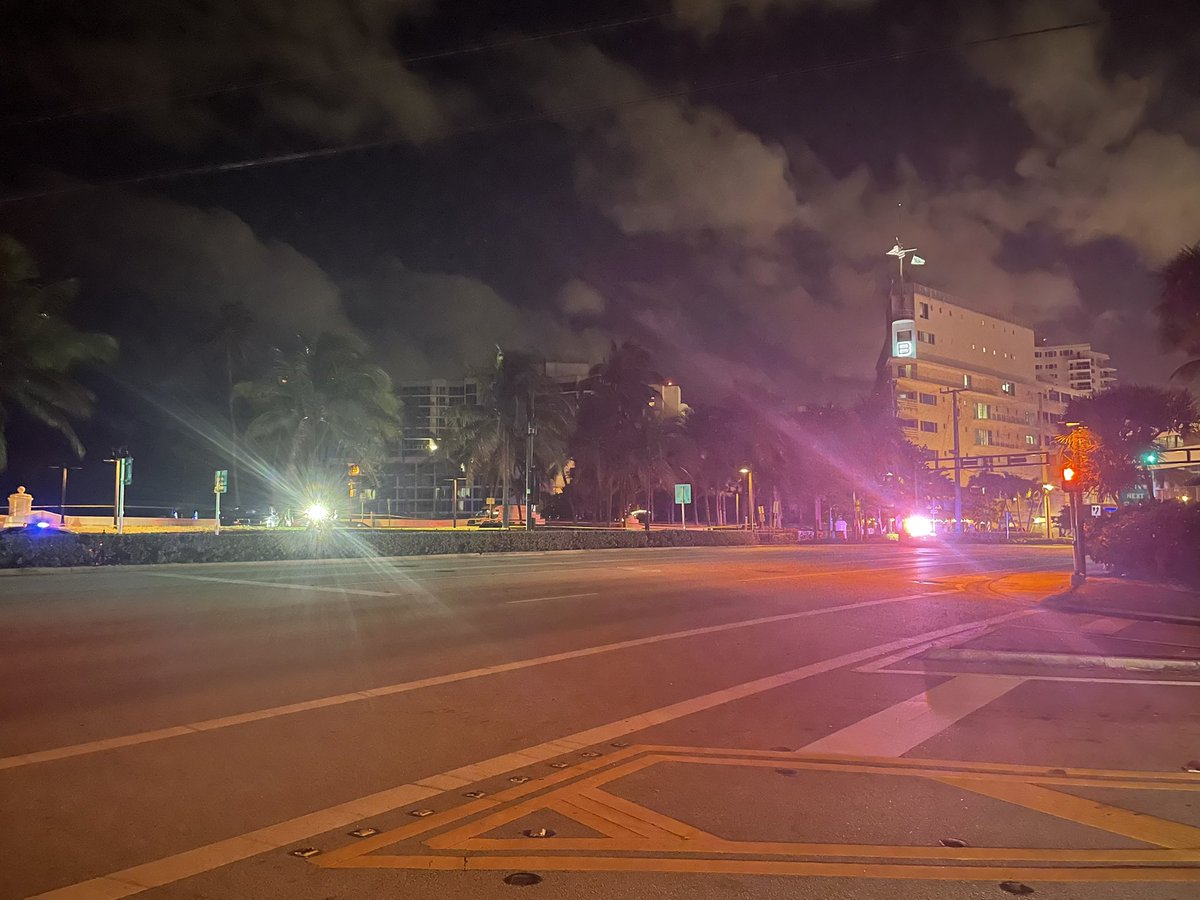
pixel 253 517
pixel 35 528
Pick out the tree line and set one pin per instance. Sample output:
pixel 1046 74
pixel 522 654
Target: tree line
pixel 320 401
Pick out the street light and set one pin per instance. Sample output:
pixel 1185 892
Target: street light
pixel 745 470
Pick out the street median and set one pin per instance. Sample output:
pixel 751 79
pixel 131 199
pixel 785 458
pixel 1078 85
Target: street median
pixel 19 551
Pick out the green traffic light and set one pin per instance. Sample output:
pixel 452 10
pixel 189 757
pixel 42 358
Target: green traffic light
pixel 1150 458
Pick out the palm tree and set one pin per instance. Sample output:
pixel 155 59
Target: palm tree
pixel 39 349
pixel 323 404
pixel 488 439
pixel 1179 310
pixel 231 335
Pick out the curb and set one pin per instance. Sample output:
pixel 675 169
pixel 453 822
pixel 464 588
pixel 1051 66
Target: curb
pixel 1132 663
pixel 335 560
pixel 1137 615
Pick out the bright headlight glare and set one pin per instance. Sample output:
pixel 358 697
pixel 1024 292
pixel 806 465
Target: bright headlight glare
pixel 918 526
pixel 316 512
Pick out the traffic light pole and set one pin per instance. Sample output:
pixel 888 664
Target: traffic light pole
pixel 1078 551
pixel 958 524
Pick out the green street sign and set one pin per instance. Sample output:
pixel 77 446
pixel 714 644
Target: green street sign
pixel 127 470
pixel 683 493
pixel 220 481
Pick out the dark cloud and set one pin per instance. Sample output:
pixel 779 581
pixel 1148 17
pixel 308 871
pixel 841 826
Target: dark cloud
pixel 425 323
pixel 661 166
pixel 166 259
pixel 705 17
pixel 326 69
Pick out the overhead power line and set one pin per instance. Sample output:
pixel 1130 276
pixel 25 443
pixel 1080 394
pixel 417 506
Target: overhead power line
pixel 548 115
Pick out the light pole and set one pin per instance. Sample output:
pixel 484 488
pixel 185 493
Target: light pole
pixel 745 470
pixel 62 497
pixel 1046 489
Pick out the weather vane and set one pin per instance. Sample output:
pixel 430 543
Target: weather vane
pixel 900 252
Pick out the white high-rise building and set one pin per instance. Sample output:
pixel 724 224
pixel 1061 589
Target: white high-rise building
pixel 1074 366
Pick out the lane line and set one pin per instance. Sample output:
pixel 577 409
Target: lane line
pixel 558 597
pixel 275 584
pixel 287 709
pixel 899 728
pixel 170 869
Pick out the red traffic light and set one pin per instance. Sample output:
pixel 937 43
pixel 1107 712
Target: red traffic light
pixel 1068 473
pixel 1070 479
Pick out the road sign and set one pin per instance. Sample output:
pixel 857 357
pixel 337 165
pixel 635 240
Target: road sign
pixel 127 470
pixel 220 481
pixel 1097 509
pixel 683 493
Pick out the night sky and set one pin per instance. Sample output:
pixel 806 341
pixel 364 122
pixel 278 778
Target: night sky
pixel 717 179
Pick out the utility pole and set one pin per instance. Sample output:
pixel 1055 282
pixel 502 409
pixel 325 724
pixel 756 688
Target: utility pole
pixel 122 475
pixel 958 525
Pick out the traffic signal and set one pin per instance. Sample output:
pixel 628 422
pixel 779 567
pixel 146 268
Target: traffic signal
pixel 353 489
pixel 1150 458
pixel 353 470
pixel 1069 478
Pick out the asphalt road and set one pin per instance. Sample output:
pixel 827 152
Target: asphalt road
pixel 741 722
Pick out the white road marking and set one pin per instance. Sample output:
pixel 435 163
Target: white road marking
pixel 1086 679
pixel 558 597
pixel 899 728
pixel 170 869
pixel 146 737
pixel 274 584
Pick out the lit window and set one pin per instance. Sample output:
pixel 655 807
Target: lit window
pixel 983 411
pixel 906 395
pixel 1008 388
pixel 983 437
pixel 966 381
pixel 1031 440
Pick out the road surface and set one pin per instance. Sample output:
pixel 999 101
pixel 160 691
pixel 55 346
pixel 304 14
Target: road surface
pixel 685 723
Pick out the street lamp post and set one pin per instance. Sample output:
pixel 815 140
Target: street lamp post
pixel 62 497
pixel 745 470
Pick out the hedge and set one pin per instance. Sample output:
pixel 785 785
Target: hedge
pixel 1153 540
pixel 55 550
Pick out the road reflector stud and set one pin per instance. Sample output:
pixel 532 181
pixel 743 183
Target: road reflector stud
pixel 522 879
pixel 1060 772
pixel 420 813
pixel 590 754
pixel 1193 766
pixel 519 779
pixel 475 795
pixel 619 744
pixel 953 842
pixel 538 832
pixel 363 832
pixel 305 852
pixel 1016 887
pixel 558 765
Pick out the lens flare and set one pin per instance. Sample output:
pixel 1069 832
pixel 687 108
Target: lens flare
pixel 317 512
pixel 918 526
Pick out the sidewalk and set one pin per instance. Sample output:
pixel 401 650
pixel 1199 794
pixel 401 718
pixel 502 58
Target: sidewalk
pixel 1125 598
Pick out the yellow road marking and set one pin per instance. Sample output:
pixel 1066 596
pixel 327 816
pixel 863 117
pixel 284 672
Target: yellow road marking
pixel 1139 826
pixel 680 865
pixel 664 844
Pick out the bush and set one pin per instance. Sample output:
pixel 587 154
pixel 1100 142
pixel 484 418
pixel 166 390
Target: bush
pixel 1153 540
pixel 55 550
